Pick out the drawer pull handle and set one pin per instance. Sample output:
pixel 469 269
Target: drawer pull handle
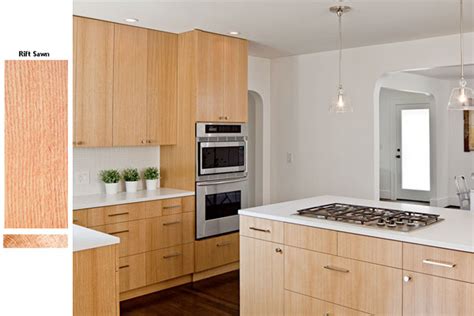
pixel 172 255
pixel 118 214
pixel 171 206
pixel 222 244
pixel 337 269
pixel 119 232
pixel 278 250
pixel 260 229
pixel 171 223
pixel 125 266
pixel 439 263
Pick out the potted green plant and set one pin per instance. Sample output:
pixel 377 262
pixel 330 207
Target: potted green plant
pixel 111 178
pixel 131 177
pixel 151 175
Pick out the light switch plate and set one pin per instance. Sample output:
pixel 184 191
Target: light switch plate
pixel 82 177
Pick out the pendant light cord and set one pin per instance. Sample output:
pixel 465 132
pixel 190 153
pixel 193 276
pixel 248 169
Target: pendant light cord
pixel 339 14
pixel 461 42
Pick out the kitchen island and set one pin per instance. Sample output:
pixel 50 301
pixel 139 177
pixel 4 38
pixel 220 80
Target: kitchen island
pixel 297 265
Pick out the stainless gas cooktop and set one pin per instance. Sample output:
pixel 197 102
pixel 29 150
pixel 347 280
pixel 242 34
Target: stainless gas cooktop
pixel 383 218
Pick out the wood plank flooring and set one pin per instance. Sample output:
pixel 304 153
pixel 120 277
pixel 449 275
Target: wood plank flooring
pixel 214 296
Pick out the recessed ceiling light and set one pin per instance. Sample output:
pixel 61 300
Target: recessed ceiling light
pixel 234 33
pixel 131 20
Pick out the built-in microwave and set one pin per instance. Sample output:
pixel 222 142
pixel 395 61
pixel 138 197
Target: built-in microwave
pixel 221 151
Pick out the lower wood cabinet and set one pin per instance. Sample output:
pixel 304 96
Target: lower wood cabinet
pixel 164 231
pixel 169 263
pixel 302 305
pixel 430 295
pixel 132 236
pixel 261 275
pixel 132 272
pixel 216 251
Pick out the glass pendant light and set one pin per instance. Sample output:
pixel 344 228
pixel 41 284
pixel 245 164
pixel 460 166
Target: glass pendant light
pixel 461 97
pixel 341 102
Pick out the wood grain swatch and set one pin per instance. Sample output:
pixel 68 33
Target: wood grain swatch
pixel 35 241
pixel 36 139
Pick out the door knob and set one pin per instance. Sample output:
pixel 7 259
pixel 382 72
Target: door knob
pixel 278 250
pixel 406 278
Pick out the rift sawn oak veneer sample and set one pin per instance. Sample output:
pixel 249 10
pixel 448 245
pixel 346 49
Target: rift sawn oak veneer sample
pixel 35 241
pixel 36 139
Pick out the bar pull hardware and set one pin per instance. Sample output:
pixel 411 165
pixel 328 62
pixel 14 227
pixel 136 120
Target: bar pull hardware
pixel 118 214
pixel 260 229
pixel 125 266
pixel 406 278
pixel 171 223
pixel 278 250
pixel 119 232
pixel 337 269
pixel 222 244
pixel 171 206
pixel 439 263
pixel 172 255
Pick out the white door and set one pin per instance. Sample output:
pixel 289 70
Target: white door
pixel 413 152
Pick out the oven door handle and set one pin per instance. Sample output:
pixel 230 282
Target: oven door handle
pixel 206 183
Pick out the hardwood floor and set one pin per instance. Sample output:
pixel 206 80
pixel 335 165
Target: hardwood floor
pixel 214 296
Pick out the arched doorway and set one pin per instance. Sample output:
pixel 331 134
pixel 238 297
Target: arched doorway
pixel 255 148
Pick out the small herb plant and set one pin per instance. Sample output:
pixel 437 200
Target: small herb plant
pixel 151 173
pixel 110 176
pixel 130 174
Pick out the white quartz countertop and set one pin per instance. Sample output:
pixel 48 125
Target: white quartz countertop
pixel 455 232
pixel 85 238
pixel 99 200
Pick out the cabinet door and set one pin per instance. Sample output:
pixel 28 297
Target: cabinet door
pixel 164 231
pixel 93 82
pixel 130 79
pixel 261 277
pixel 162 80
pixel 235 80
pixel 169 263
pixel 132 272
pixel 434 296
pixel 132 236
pixel 216 251
pixel 210 77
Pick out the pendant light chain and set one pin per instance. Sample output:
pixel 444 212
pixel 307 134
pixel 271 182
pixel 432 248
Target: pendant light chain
pixel 339 15
pixel 461 42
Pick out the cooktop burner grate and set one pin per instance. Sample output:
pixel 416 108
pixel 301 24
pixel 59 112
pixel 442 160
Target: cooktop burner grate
pixel 372 216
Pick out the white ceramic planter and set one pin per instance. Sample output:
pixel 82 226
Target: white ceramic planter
pixel 151 185
pixel 131 186
pixel 111 188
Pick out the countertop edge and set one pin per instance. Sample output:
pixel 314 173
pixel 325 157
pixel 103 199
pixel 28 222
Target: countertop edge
pixel 359 230
pixel 91 239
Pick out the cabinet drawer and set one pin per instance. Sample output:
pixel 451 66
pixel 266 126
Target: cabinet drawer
pixel 132 272
pixel 301 305
pixel 442 262
pixel 261 229
pixel 218 251
pixel 79 217
pixel 370 249
pixel 164 231
pixel 354 284
pixel 311 238
pixel 430 295
pixel 163 207
pixel 115 214
pixel 132 236
pixel 169 263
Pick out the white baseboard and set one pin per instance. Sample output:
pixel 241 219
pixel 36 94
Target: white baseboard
pixel 385 194
pixel 445 201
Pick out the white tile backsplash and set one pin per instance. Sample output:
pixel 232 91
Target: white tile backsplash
pixel 91 160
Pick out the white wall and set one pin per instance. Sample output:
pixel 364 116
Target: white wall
pixel 259 91
pixel 339 154
pixel 92 160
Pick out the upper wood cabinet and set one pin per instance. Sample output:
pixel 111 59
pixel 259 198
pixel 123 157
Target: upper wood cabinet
pixel 221 83
pixel 93 82
pixel 125 82
pixel 130 79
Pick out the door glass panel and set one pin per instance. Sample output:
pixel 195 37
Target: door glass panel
pixel 415 149
pixel 222 204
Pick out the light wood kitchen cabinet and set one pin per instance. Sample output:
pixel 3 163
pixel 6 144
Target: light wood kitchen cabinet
pixel 162 82
pixel 261 274
pixel 93 82
pixel 132 236
pixel 164 231
pixel 95 280
pixel 132 272
pixel 221 78
pixel 216 251
pixel 429 295
pixel 169 263
pixel 130 86
pixel 79 217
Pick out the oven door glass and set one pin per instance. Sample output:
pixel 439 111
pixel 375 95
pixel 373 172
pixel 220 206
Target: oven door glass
pixel 222 157
pixel 217 206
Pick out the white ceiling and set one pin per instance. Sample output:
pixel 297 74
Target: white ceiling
pixel 283 28
pixel 446 73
